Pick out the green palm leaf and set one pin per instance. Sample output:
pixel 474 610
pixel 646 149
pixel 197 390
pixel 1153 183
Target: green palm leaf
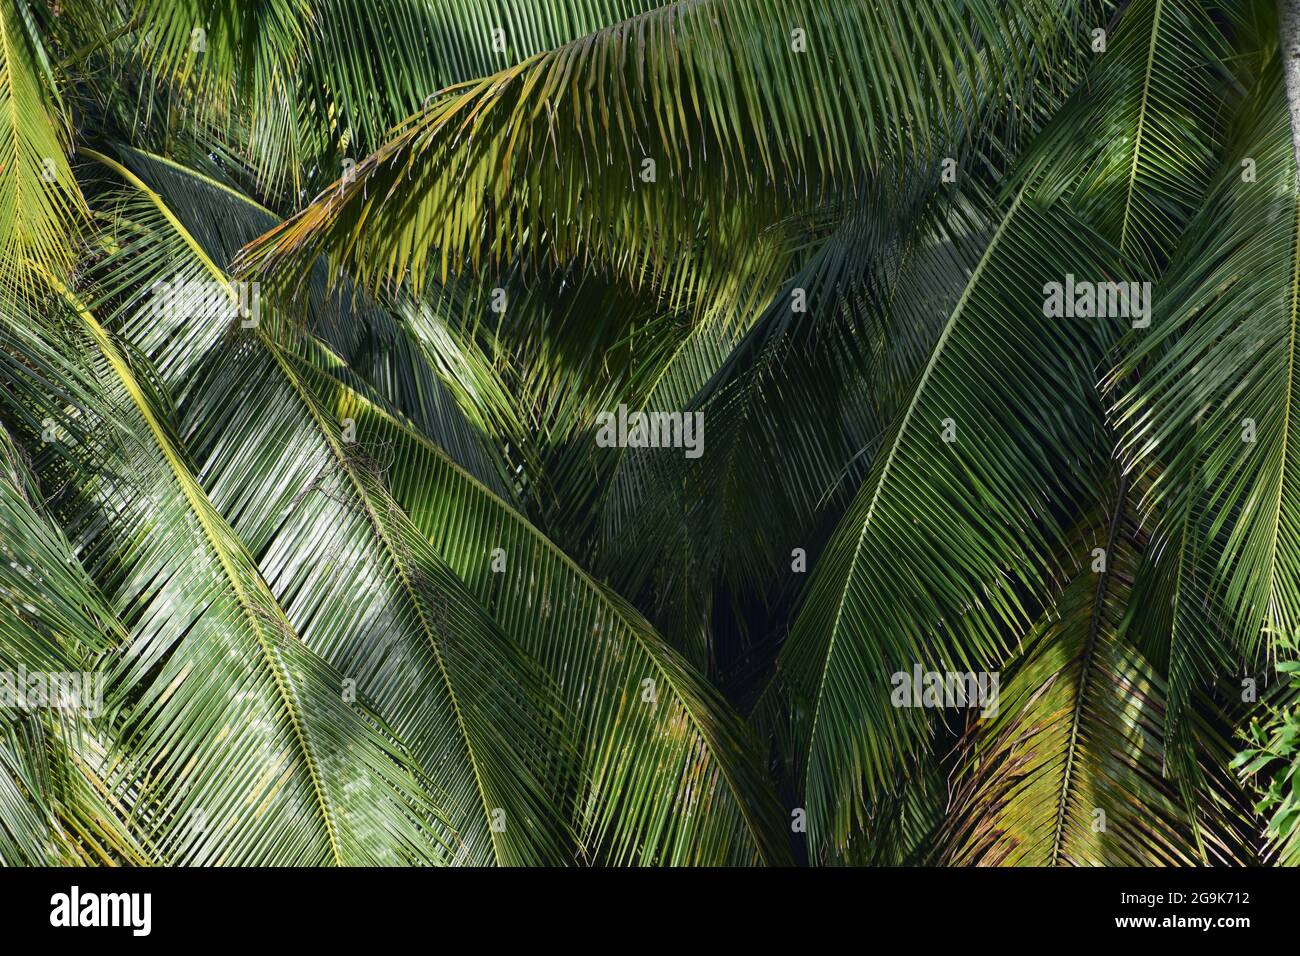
pixel 357 581
pixel 40 204
pixel 668 770
pixel 1071 772
pixel 927 562
pixel 240 746
pixel 1211 417
pixel 1135 147
pixel 150 258
pixel 378 62
pixel 53 621
pixel 731 101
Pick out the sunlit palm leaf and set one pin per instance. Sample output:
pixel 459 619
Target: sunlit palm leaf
pixel 150 260
pixel 53 621
pixel 733 103
pixel 1071 771
pixel 241 748
pixel 357 581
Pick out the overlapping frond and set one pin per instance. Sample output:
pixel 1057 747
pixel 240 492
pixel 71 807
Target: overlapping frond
pixel 1072 770
pixel 1135 147
pixel 364 587
pixel 222 47
pixel 1212 417
pixel 677 127
pixel 273 765
pixel 957 514
pixel 357 581
pixel 669 774
pixel 376 62
pixel 149 263
pixel 54 625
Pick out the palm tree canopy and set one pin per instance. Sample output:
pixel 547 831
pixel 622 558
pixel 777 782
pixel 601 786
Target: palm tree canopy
pixel 957 339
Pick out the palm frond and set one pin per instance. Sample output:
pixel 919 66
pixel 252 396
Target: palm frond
pixel 1212 417
pixel 149 260
pixel 730 103
pixel 1072 770
pixel 239 746
pixel 929 561
pixel 668 772
pixel 54 625
pixel 376 62
pixel 1136 146
pixel 40 203
pixel 475 712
